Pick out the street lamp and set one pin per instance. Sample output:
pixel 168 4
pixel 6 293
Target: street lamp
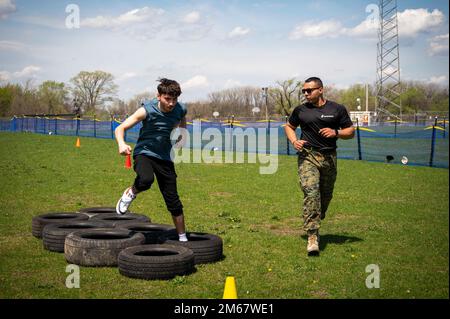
pixel 359 104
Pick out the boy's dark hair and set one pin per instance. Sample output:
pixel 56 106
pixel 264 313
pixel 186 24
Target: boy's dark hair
pixel 315 80
pixel 169 87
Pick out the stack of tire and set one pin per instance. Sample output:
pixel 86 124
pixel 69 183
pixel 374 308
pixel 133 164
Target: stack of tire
pixel 98 237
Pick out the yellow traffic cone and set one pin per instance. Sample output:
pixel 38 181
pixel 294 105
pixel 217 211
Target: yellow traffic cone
pixel 78 142
pixel 230 289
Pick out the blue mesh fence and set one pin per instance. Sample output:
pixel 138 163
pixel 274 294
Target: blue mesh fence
pixel 377 143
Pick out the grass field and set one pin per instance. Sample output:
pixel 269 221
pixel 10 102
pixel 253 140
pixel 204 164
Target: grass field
pixel 393 216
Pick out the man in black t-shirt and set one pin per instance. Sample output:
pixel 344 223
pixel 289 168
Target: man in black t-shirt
pixel 322 122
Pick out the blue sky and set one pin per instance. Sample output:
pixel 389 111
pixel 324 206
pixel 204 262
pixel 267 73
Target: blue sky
pixel 209 45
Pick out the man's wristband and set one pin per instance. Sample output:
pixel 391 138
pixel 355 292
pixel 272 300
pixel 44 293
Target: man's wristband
pixel 337 133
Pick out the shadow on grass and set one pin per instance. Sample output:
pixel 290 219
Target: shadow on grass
pixel 334 239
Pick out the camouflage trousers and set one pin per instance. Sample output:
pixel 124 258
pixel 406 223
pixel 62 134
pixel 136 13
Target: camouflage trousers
pixel 317 174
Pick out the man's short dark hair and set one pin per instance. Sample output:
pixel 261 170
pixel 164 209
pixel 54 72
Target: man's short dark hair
pixel 169 87
pixel 315 80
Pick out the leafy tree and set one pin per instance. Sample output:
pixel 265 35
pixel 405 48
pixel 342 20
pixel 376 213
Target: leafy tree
pixel 6 97
pixel 53 97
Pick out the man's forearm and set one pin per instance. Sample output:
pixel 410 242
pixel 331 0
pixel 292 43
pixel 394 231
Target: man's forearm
pixel 290 134
pixel 347 133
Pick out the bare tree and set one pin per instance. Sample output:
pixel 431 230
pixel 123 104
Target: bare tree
pixel 286 96
pixel 93 89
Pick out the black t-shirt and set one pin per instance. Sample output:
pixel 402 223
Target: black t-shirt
pixel 312 118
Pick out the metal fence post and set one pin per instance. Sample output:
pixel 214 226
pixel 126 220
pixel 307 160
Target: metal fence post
pixel 443 132
pixel 95 127
pixel 358 136
pixel 112 127
pixel 78 125
pixel 287 140
pixel 125 133
pixel 12 127
pixel 395 128
pixel 433 141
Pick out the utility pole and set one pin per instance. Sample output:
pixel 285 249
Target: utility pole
pixel 265 95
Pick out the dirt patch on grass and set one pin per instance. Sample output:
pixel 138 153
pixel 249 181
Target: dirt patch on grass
pixel 286 227
pixel 337 216
pixel 322 294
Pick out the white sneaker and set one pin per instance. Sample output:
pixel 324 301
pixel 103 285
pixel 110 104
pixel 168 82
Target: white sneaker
pixel 125 201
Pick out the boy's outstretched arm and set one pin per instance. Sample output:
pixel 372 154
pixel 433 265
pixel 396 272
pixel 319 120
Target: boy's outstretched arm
pixel 136 117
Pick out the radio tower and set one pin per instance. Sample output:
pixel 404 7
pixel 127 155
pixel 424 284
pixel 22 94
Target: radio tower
pixel 388 102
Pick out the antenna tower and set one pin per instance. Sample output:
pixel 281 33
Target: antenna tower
pixel 388 102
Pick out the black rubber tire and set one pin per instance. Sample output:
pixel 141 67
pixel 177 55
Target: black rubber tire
pixel 54 235
pixel 156 261
pixel 99 247
pixel 115 219
pixel 39 222
pixel 207 248
pixel 94 211
pixel 151 231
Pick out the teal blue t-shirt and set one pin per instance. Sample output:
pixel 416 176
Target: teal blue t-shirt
pixel 154 136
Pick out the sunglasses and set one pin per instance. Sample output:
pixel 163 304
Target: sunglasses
pixel 309 90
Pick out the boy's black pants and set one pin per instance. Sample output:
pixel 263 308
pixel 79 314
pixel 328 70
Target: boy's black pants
pixel 146 168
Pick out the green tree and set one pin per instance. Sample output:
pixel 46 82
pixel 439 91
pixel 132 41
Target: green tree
pixel 349 97
pixel 413 99
pixel 6 98
pixel 53 96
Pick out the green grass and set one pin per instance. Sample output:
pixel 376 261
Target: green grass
pixel 390 215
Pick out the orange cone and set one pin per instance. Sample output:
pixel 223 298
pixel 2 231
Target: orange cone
pixel 128 161
pixel 78 142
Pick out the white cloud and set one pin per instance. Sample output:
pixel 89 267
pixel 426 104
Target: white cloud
pixel 439 45
pixel 27 72
pixel 366 29
pixel 192 27
pixel 135 16
pixel 411 22
pixel 198 81
pixel 6 7
pixel 310 29
pixel 11 46
pixel 192 17
pixel 149 23
pixel 442 79
pixel 238 32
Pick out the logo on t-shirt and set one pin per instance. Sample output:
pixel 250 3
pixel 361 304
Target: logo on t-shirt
pixel 326 116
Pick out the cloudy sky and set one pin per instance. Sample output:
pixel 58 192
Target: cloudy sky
pixel 209 45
